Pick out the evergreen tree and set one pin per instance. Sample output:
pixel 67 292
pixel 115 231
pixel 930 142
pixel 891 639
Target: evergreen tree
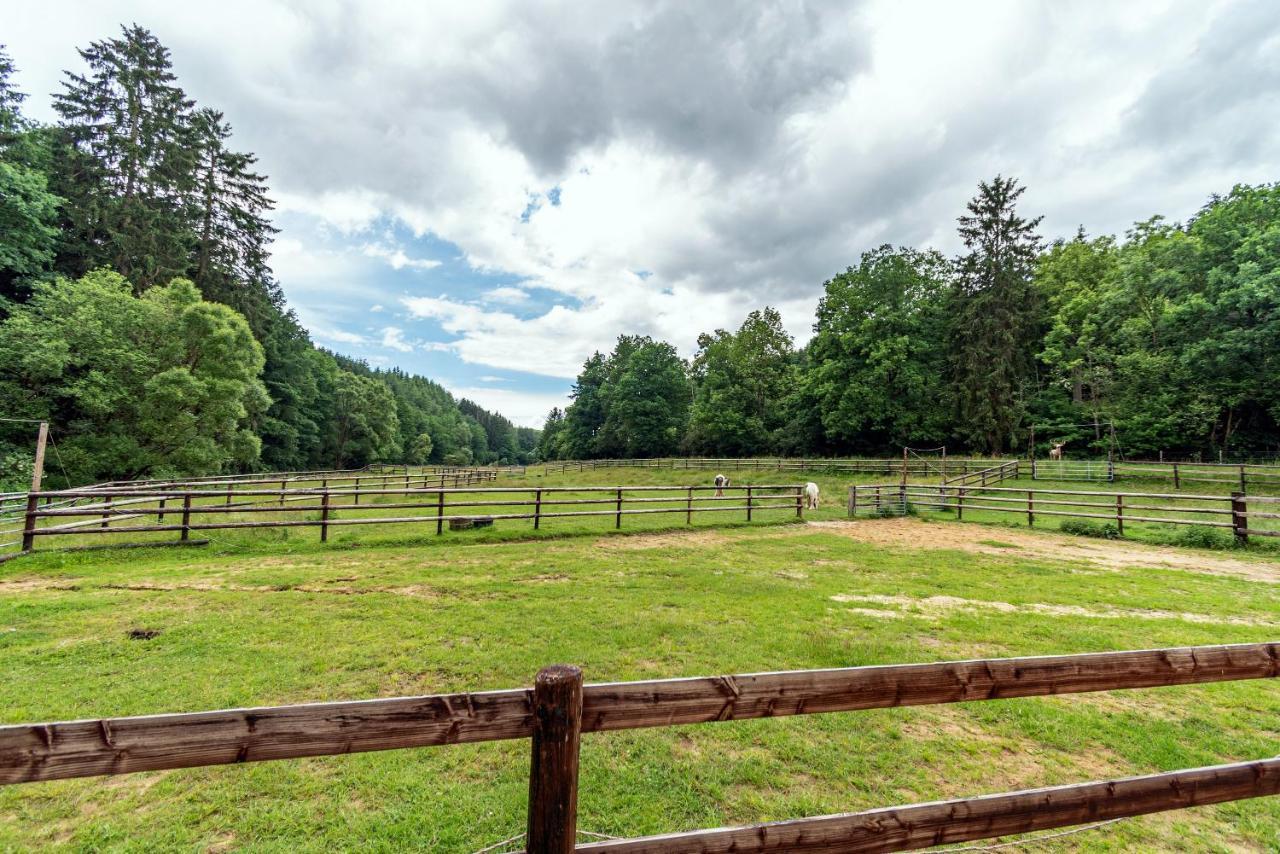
pixel 229 218
pixel 996 315
pixel 129 162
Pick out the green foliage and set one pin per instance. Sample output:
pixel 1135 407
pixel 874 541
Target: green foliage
pixel 741 381
pixel 140 385
pixel 365 427
pixel 1204 538
pixel 634 403
pixel 878 375
pixel 996 315
pixel 1086 528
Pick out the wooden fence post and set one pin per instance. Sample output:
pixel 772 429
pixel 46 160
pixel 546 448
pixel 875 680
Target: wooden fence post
pixel 553 769
pixel 688 506
pixel 440 509
pixel 1120 514
pixel 960 504
pixel 1176 484
pixel 1239 517
pixel 1033 469
pixel 160 515
pixel 537 508
pixel 186 517
pixel 617 519
pixel 1031 507
pixel 283 485
pixel 229 487
pixel 799 502
pixel 29 525
pixel 853 501
pixel 748 504
pixel 1243 487
pixel 106 513
pixel 324 517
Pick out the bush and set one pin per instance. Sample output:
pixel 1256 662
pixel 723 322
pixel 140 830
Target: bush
pixel 1085 528
pixel 1197 537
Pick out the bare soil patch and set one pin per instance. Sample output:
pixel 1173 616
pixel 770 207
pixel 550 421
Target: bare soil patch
pixel 1108 554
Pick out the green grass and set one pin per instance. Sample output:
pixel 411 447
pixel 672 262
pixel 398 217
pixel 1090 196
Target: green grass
pixel 260 619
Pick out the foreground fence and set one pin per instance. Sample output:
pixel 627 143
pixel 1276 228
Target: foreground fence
pixel 186 510
pixel 559 709
pixel 1231 512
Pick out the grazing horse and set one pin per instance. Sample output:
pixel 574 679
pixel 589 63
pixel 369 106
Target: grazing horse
pixel 1055 453
pixel 811 495
pixel 721 482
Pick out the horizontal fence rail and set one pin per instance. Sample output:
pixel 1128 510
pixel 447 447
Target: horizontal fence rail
pixel 68 749
pixel 1231 512
pixel 182 509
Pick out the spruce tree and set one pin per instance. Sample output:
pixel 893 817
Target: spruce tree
pixel 232 232
pixel 996 314
pixel 130 160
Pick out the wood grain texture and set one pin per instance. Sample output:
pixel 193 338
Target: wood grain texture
pixel 552 826
pixel 48 751
pixel 966 819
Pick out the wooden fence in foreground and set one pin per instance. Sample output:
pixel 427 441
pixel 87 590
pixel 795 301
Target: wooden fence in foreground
pixel 184 510
pixel 1231 512
pixel 559 708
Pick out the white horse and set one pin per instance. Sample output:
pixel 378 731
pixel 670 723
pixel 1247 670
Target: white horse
pixel 721 482
pixel 1055 453
pixel 811 495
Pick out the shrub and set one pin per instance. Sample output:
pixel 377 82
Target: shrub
pixel 1085 528
pixel 1197 537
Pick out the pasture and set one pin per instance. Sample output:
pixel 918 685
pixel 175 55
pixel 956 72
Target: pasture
pixel 264 616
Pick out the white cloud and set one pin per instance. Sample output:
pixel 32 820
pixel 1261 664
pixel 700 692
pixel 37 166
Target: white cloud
pixel 505 294
pixel 338 336
pixel 396 257
pixel 524 408
pixel 377 308
pixel 393 339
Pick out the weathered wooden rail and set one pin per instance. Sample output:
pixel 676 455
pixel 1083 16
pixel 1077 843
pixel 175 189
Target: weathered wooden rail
pixel 184 510
pixel 1231 512
pixel 994 474
pixel 559 708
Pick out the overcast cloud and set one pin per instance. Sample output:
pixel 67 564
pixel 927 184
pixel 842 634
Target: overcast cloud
pixel 488 192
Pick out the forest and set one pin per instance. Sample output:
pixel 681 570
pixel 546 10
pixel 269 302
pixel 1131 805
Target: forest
pixel 1167 340
pixel 138 310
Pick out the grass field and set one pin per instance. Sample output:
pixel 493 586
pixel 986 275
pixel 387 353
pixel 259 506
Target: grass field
pixel 267 617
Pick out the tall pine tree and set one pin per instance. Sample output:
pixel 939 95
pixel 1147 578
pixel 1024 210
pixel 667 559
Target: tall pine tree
pixel 997 315
pixel 130 164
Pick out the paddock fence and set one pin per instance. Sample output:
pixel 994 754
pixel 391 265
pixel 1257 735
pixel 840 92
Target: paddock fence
pixel 559 708
pixel 915 467
pixel 185 510
pixel 1242 515
pixel 994 474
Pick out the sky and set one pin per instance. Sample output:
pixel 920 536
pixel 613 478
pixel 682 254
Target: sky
pixel 485 193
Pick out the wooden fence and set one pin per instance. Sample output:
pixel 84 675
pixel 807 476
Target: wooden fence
pixel 983 477
pixel 559 709
pixel 184 510
pixel 918 466
pixel 1231 512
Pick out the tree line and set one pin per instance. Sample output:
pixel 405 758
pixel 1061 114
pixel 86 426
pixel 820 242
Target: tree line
pixel 139 313
pixel 1170 335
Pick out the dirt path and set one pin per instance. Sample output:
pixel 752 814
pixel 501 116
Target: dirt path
pixel 912 533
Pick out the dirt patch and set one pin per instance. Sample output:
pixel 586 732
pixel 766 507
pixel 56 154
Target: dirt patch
pixel 416 591
pixel 641 542
pixel 912 533
pixel 934 607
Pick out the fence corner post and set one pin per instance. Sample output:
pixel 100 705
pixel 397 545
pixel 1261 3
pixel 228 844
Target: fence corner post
pixel 1240 517
pixel 553 770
